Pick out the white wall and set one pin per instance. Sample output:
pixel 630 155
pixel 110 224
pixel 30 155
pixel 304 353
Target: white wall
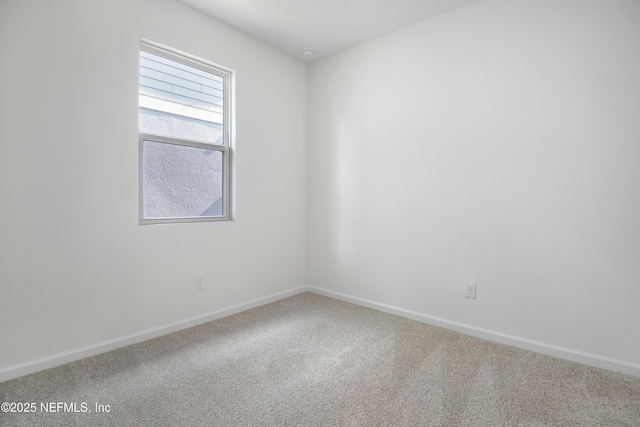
pixel 75 267
pixel 497 143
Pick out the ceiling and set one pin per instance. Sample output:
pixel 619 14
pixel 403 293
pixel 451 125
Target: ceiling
pixel 326 26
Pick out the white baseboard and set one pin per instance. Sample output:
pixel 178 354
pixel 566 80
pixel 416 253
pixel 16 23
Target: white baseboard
pixel 54 360
pixel 21 369
pixel 511 340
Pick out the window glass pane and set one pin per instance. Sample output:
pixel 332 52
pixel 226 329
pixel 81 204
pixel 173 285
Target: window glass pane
pixel 180 101
pixel 179 127
pixel 180 181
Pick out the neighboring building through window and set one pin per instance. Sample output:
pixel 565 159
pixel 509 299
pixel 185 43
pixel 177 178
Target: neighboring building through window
pixel 185 150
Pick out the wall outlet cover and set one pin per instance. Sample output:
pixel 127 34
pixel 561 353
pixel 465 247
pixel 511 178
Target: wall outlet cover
pixel 199 282
pixel 470 290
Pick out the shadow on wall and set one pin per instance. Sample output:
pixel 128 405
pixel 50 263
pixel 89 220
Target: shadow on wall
pixel 214 210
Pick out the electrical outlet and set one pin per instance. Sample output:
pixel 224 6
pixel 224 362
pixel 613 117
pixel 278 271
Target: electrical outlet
pixel 199 282
pixel 470 290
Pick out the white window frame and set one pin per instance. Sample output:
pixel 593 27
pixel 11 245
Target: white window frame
pixel 226 147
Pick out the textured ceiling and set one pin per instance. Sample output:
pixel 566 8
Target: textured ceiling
pixel 326 26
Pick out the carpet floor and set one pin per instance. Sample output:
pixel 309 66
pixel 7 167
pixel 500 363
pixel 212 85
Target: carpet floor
pixel 309 360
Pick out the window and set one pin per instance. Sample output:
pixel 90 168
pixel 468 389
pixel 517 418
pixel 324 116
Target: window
pixel 184 137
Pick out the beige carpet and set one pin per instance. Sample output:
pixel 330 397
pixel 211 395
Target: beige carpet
pixel 314 361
